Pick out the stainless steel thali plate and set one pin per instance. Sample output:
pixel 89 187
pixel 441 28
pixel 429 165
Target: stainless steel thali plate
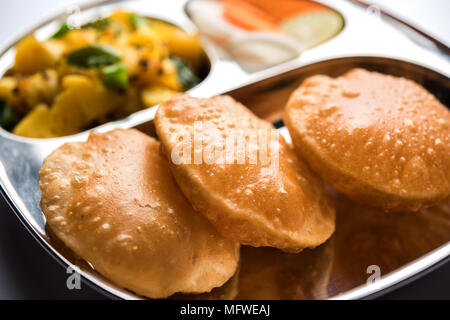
pixel 337 269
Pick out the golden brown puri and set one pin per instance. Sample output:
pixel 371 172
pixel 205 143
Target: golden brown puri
pixel 113 201
pixel 382 140
pixel 228 291
pixel 255 203
pixel 366 236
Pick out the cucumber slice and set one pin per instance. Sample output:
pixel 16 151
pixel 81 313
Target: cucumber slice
pixel 313 28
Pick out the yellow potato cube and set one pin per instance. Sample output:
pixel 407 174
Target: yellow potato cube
pixel 156 94
pixel 9 91
pixel 40 87
pixel 122 18
pixel 78 38
pixel 163 29
pixel 168 76
pixel 82 101
pixel 33 56
pixel 186 46
pixel 76 81
pixel 143 37
pixel 36 124
pixel 66 116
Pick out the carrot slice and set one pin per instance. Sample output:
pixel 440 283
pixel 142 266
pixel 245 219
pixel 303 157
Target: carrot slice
pixel 282 9
pixel 247 16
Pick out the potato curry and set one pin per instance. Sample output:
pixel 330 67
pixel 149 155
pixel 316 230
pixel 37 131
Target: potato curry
pixel 105 70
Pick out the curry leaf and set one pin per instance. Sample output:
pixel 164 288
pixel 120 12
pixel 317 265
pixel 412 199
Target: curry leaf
pixel 185 74
pixel 115 76
pixel 8 117
pixel 98 24
pixel 93 56
pixel 63 29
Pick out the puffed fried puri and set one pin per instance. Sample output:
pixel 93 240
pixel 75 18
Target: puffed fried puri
pixel 113 201
pixel 382 140
pixel 273 201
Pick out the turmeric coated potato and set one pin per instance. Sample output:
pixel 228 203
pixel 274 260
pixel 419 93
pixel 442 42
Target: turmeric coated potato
pixel 102 71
